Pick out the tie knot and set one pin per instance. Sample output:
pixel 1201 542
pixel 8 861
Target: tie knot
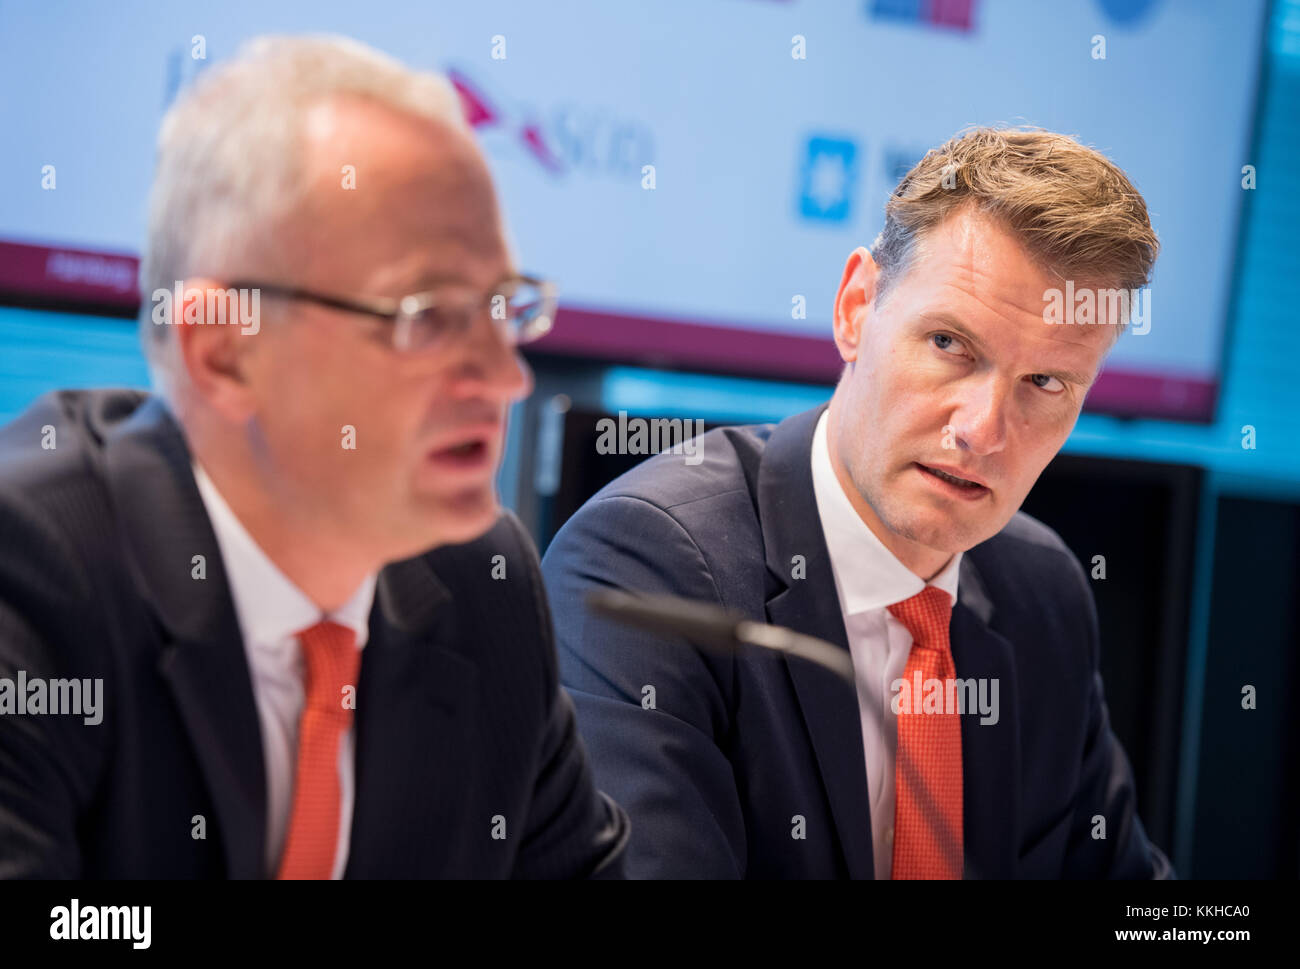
pixel 333 661
pixel 926 616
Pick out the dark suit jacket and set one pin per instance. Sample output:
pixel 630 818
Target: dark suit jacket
pixel 460 717
pixel 737 747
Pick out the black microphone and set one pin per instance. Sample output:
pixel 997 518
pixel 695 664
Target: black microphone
pixel 713 627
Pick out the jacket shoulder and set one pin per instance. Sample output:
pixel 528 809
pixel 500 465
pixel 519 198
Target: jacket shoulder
pixel 55 508
pixel 59 436
pixel 1037 583
pixel 1027 546
pixel 679 528
pixel 725 460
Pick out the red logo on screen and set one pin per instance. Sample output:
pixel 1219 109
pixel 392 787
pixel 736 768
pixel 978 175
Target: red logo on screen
pixel 480 113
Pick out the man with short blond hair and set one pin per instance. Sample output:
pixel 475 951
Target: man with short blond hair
pixel 978 744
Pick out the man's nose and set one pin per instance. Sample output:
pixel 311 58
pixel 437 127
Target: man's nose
pixel 979 423
pixel 491 365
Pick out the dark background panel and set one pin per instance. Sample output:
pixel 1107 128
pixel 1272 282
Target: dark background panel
pixel 1248 784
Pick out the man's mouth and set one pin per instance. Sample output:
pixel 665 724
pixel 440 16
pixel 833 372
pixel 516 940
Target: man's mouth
pixel 965 486
pixel 470 454
pixel 468 449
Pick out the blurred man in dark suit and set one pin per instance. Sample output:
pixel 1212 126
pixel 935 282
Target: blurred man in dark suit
pixel 321 648
pixel 978 744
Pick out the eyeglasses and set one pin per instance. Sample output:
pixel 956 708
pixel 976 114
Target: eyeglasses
pixel 524 307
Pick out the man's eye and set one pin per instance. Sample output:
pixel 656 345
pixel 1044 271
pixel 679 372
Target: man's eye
pixel 944 341
pixel 1036 378
pixel 440 319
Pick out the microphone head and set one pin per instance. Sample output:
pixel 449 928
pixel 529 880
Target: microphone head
pixel 700 622
pixel 713 627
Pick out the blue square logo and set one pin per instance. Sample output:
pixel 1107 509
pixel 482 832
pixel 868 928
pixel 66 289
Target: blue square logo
pixel 826 179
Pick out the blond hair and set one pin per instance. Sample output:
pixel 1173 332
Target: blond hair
pixel 1072 209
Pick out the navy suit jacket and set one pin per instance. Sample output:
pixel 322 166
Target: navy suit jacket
pixel 735 750
pixel 462 729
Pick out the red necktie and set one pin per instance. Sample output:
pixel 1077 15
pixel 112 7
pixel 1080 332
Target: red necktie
pixel 928 783
pixel 332 661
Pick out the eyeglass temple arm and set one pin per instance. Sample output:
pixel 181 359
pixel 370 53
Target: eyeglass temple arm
pixel 383 308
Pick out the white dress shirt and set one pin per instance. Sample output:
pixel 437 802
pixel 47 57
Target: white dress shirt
pixel 271 611
pixel 868 578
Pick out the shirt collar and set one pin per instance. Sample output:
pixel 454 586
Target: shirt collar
pixel 270 608
pixel 867 575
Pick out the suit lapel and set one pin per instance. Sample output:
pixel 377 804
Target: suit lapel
pixel 415 744
pixel 990 752
pixel 164 526
pixel 791 526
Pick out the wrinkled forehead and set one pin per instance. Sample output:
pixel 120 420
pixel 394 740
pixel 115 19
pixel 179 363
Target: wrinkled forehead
pixel 976 258
pixel 972 270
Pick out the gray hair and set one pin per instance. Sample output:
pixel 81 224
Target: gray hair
pixel 229 160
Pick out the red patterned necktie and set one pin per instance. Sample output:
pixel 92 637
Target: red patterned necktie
pixel 928 782
pixel 332 661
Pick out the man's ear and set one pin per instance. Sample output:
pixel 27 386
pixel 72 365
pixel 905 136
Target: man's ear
pixel 853 302
pixel 215 351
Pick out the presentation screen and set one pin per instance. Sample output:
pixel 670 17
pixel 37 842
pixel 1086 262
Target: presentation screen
pixel 693 173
